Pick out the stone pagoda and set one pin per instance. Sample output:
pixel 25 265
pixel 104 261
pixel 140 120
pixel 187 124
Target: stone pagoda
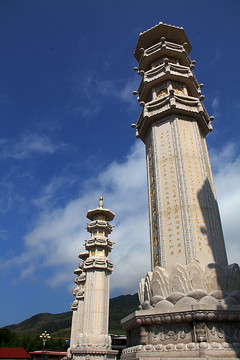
pixel 190 300
pixel 89 332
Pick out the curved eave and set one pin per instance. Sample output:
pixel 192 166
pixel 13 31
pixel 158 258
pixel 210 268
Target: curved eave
pixel 83 255
pixel 100 211
pixel 80 295
pixel 145 86
pixel 147 59
pixel 78 271
pixel 152 36
pixel 159 110
pixel 79 280
pixel 98 263
pixel 107 245
pixel 99 239
pixel 107 227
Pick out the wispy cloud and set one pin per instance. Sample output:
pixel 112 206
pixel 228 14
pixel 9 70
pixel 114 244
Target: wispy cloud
pixel 215 104
pixel 217 55
pixel 85 82
pixel 27 145
pixel 86 111
pixel 48 194
pixel 5 99
pixel 3 141
pixel 9 197
pixel 91 84
pixel 120 88
pixel 93 88
pixel 4 235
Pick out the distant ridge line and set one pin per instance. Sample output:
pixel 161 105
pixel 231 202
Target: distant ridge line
pixel 59 325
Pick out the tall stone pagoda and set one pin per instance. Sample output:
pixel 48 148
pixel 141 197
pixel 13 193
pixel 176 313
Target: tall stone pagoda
pixel 89 332
pixel 190 300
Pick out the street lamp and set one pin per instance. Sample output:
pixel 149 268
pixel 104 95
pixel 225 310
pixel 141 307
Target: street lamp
pixel 44 337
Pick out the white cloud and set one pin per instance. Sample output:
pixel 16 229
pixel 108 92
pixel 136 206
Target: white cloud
pixel 58 234
pixel 27 272
pixel 29 144
pixel 226 167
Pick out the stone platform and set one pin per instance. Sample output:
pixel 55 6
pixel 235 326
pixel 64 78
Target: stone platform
pixel 190 311
pixel 197 331
pixel 93 354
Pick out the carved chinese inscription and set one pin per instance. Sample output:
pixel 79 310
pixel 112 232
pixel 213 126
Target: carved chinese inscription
pixel 171 213
pixel 195 190
pixel 153 204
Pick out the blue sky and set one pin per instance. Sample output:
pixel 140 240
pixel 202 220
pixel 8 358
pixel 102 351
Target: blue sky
pixel 66 105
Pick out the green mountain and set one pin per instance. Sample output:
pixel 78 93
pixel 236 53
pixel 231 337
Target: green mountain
pixel 59 325
pixel 120 307
pixel 53 323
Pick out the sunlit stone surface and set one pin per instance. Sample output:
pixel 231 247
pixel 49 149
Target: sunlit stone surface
pixel 190 301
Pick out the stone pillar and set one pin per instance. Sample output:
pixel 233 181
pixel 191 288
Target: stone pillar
pixel 90 322
pixel 74 327
pixel 190 301
pixel 184 218
pixel 80 280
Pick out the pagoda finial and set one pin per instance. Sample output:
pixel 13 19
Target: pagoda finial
pixel 100 204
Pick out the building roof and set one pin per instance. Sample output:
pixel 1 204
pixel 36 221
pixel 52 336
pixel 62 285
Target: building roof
pixel 152 36
pixel 49 352
pixel 13 353
pixel 99 210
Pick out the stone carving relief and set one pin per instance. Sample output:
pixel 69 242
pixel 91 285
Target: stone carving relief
pixel 145 289
pixel 88 341
pixel 190 284
pixel 200 331
pixel 224 332
pixel 168 334
pixel 189 347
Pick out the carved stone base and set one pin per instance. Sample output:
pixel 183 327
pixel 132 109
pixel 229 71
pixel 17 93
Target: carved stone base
pixel 191 351
pixel 99 341
pixel 197 331
pixel 92 347
pixel 189 285
pixel 93 354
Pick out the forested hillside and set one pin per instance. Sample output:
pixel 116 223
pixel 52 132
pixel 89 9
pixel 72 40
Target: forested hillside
pixel 26 333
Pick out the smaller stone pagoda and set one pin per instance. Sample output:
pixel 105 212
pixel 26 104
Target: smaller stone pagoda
pixel 89 332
